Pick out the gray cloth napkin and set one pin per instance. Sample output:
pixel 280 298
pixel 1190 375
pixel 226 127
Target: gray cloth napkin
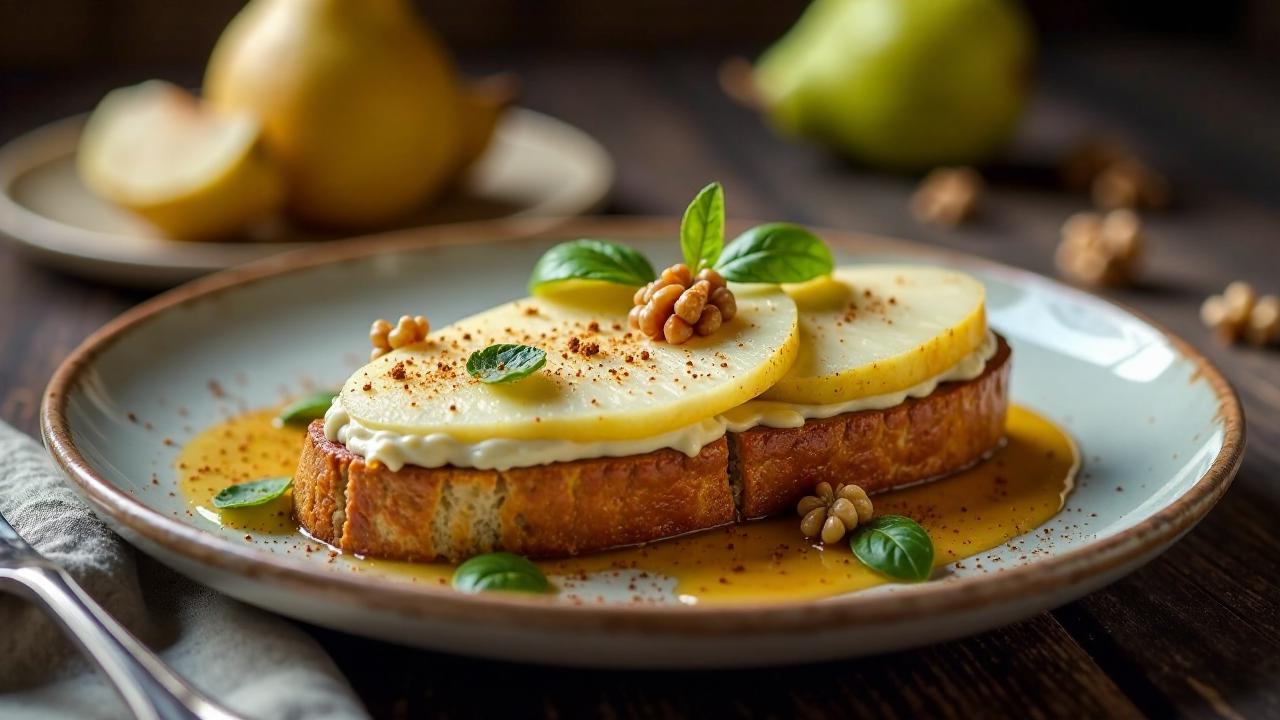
pixel 255 663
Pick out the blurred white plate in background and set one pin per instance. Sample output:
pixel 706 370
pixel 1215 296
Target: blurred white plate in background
pixel 537 167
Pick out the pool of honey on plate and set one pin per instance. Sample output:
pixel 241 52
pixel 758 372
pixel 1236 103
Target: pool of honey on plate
pixel 1021 486
pixel 247 447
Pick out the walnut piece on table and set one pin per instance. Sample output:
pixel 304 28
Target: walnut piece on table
pixel 1114 176
pixel 1238 313
pixel 1102 249
pixel 948 196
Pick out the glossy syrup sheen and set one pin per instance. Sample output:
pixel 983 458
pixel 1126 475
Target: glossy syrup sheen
pixel 247 447
pixel 1022 485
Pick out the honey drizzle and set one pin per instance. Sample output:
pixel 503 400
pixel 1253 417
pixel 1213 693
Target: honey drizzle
pixel 1020 487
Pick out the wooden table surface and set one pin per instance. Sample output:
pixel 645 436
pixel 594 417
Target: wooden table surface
pixel 1194 633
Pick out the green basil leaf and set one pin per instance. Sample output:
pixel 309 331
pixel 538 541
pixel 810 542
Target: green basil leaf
pixel 775 253
pixel 505 363
pixel 305 409
pixel 702 228
pixel 251 494
pixel 895 546
pixel 591 260
pixel 499 571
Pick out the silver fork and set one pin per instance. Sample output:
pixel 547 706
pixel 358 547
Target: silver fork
pixel 151 690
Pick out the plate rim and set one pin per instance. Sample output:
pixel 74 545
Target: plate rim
pixel 1057 573
pixel 72 243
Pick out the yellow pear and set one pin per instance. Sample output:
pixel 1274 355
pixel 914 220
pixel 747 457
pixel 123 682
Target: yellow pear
pixel 193 173
pixel 358 100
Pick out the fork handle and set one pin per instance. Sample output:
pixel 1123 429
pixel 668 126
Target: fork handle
pixel 149 688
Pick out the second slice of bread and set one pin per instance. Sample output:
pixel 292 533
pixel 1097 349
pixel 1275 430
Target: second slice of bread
pixel 915 441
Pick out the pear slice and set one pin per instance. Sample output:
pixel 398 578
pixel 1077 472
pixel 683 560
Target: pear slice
pixel 156 150
pixel 874 329
pixel 602 381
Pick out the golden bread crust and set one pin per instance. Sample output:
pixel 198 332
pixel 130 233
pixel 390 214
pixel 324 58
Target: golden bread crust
pixel 552 510
pixel 918 440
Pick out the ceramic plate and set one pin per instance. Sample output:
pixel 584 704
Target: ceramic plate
pixel 1160 431
pixel 537 167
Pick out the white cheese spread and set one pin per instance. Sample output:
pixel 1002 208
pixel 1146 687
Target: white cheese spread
pixel 396 449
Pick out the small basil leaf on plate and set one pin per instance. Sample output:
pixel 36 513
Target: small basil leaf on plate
pixel 775 253
pixel 499 571
pixel 308 408
pixel 894 546
pixel 591 260
pixel 505 363
pixel 702 228
pixel 251 494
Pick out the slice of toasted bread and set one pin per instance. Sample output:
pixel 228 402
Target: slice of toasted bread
pixel 588 505
pixel 551 510
pixel 915 441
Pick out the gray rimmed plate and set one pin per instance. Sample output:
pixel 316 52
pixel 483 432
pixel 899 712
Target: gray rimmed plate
pixel 1153 418
pixel 537 167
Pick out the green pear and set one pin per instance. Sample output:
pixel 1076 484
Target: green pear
pixel 901 84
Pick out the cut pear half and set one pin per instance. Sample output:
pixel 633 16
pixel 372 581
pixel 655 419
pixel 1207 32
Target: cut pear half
pixel 602 381
pixel 196 174
pixel 873 329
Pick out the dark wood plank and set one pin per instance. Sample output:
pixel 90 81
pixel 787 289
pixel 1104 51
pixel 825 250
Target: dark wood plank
pixel 47 314
pixel 1195 630
pixel 1029 670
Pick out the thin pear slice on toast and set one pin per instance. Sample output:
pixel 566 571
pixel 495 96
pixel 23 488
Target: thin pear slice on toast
pixel 869 330
pixel 602 380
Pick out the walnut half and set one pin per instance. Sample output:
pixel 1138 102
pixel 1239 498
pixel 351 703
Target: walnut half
pixel 1238 313
pixel 948 196
pixel 677 305
pixel 829 513
pixel 407 331
pixel 1114 175
pixel 1101 249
